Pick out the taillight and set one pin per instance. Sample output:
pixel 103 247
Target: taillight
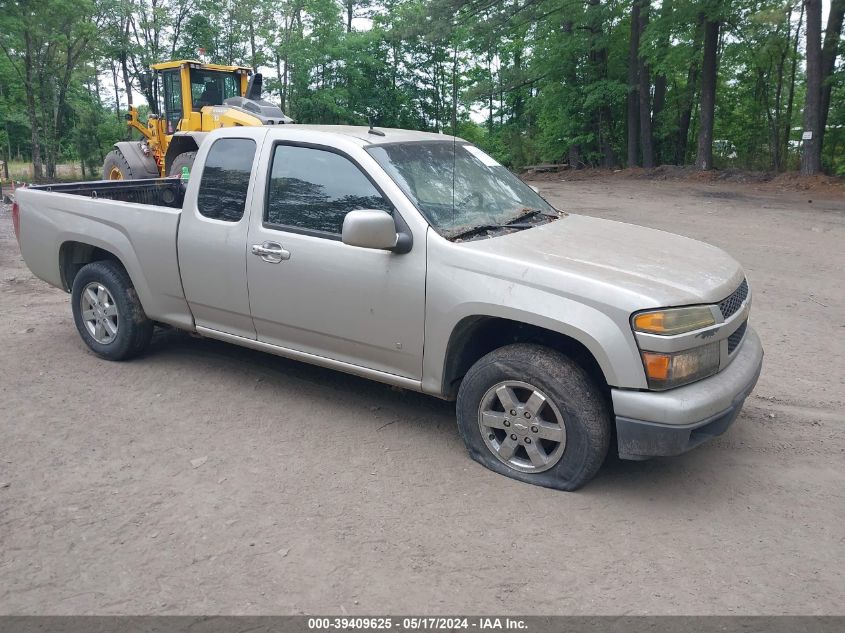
pixel 16 221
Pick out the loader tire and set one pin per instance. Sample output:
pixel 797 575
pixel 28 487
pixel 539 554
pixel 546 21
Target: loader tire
pixel 185 159
pixel 116 167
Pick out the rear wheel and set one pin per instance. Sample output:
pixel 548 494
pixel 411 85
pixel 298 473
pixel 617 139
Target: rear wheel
pixel 533 414
pixel 116 167
pixel 108 312
pixel 185 159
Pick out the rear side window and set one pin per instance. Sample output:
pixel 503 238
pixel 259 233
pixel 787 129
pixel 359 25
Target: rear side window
pixel 314 189
pixel 225 179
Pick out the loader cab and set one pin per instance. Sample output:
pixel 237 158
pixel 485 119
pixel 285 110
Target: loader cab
pixel 184 88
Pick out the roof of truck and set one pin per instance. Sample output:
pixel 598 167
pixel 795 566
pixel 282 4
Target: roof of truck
pixel 382 135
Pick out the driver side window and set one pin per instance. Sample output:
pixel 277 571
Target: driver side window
pixel 314 189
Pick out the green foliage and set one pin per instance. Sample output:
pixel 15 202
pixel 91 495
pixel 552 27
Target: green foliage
pixel 527 80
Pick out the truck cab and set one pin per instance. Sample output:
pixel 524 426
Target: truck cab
pixel 183 88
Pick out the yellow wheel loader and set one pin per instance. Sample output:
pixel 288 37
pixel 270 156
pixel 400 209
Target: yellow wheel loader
pixel 189 99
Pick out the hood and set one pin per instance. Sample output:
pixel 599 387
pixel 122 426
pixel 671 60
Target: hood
pixel 662 269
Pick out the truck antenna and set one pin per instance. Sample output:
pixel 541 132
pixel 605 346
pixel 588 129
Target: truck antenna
pixel 372 130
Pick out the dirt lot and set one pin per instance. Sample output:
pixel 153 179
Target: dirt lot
pixel 204 478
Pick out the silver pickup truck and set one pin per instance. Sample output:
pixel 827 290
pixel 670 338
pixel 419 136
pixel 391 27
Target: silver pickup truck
pixel 417 260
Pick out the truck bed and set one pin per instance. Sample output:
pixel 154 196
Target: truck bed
pixel 162 192
pixel 137 221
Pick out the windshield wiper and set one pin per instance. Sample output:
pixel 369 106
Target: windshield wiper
pixel 475 230
pixel 514 223
pixel 527 212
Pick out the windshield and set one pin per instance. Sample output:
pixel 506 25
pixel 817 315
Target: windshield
pixel 457 186
pixel 212 87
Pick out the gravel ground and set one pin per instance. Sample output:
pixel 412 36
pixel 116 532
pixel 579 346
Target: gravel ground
pixel 204 478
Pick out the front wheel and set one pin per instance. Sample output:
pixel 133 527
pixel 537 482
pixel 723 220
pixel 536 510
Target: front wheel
pixel 108 312
pixel 183 161
pixel 532 414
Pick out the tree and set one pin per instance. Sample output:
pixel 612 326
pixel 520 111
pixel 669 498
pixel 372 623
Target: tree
pixel 580 81
pixel 633 117
pixel 811 155
pixel 646 134
pixel 829 52
pixel 709 70
pixel 45 41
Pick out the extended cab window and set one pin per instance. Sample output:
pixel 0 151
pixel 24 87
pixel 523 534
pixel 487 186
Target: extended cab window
pixel 314 189
pixel 225 179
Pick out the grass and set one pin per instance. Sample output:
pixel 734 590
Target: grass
pixel 22 171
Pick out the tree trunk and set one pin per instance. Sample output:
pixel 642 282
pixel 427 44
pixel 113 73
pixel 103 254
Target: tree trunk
pixel 127 82
pixel 124 54
pixel 8 148
pixel 116 93
pixel 97 88
pixel 253 56
pixel 350 5
pixel 571 79
pixel 74 50
pixel 646 136
pixel 811 155
pixel 775 117
pixel 659 101
pixel 829 51
pixel 37 167
pixel 787 125
pixel 279 75
pixel 633 110
pixel 688 97
pixel 709 72
pixel 601 118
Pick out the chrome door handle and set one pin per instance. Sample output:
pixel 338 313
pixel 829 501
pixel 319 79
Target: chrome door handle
pixel 271 252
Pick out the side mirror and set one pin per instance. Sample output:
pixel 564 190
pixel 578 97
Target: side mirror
pixel 254 87
pixel 145 79
pixel 370 228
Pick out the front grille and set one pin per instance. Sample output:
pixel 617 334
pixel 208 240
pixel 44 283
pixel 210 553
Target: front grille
pixel 733 303
pixel 736 338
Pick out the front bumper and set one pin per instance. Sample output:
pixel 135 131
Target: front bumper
pixel 650 424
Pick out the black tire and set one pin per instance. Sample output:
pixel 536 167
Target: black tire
pixel 134 329
pixel 116 164
pixel 185 159
pixel 584 411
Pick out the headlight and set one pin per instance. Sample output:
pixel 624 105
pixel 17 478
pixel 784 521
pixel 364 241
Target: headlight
pixel 674 320
pixel 665 371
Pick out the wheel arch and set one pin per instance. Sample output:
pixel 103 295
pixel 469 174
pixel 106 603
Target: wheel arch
pixel 181 143
pixel 142 165
pixel 477 335
pixel 73 255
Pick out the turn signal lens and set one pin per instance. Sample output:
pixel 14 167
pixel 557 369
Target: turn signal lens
pixel 665 371
pixel 674 320
pixel 656 365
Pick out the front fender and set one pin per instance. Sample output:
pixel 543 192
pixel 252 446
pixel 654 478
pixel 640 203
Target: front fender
pixel 142 165
pixel 454 294
pixel 613 352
